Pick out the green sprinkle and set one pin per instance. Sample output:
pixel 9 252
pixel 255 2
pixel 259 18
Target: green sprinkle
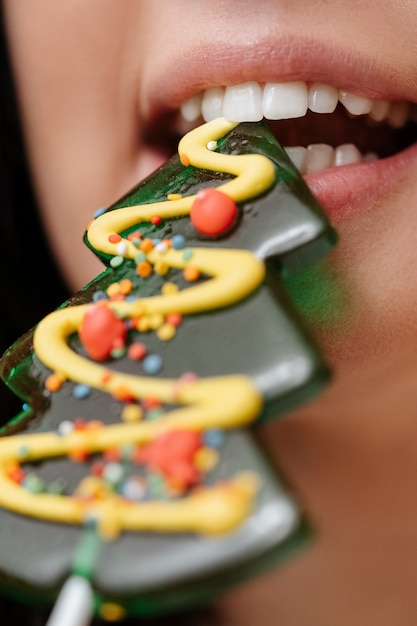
pixel 187 254
pixel 116 261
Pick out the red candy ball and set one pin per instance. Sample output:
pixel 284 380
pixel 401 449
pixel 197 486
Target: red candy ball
pixel 101 331
pixel 213 212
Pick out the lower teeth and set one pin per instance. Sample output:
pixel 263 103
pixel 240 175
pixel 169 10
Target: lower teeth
pixel 320 156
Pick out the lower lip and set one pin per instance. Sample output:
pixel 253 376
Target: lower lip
pixel 347 190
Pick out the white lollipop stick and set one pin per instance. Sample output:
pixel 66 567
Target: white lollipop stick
pixel 74 606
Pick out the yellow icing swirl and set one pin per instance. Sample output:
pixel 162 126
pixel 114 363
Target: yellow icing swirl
pixel 223 402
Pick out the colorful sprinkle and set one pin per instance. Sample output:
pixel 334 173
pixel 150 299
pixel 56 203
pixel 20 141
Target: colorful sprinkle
pixel 116 261
pixel 81 391
pixel 146 245
pixel 98 296
pixel 191 273
pixel 175 319
pixel 206 459
pixel 169 288
pixel 152 364
pixel 53 382
pixel 178 242
pixel 136 351
pixel 214 437
pixel 114 238
pixel 131 413
pixel 187 254
pixel 174 196
pixel 166 332
pixel 144 269
pixel 99 212
pixel 156 220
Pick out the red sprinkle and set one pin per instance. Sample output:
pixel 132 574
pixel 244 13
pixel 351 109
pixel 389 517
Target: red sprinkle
pixel 175 319
pixel 156 220
pixel 136 351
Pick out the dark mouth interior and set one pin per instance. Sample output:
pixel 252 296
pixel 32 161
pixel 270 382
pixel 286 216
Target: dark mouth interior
pixel 333 129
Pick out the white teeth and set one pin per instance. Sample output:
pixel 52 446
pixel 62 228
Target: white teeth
pixel 379 110
pixel 322 98
pixel 357 105
pixel 298 156
pixel 191 109
pixel 243 103
pixel 347 153
pixel 320 156
pixel 249 102
pixel 212 105
pixel 398 114
pixel 283 101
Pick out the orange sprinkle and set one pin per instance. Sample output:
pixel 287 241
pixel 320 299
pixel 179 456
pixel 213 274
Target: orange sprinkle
pixel 53 382
pixel 184 159
pixel 124 394
pixel 94 425
pixel 78 456
pixel 136 235
pixel 146 245
pixel 144 269
pixel 117 297
pixel 125 286
pixel 191 273
pixel 115 238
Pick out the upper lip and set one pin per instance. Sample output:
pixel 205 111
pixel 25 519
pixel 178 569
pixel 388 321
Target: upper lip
pixel 207 64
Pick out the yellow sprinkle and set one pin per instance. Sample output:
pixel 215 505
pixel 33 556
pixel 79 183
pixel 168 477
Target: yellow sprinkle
pixel 206 459
pixel 113 289
pixel 93 487
pixel 169 288
pixel 132 413
pixel 166 332
pixel 112 612
pixel 144 324
pixel 161 268
pixel 156 320
pixel 174 196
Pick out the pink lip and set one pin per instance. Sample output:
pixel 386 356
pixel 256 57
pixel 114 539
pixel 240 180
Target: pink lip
pixel 345 191
pixel 275 59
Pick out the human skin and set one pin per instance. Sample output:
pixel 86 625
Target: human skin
pixel 89 74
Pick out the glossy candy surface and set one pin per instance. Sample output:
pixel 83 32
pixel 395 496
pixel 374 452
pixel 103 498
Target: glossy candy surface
pixel 101 445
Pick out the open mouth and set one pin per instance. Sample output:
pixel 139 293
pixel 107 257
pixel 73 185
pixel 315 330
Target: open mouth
pixel 320 126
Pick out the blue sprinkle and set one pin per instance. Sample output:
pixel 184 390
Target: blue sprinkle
pixel 81 391
pixel 214 437
pixel 178 242
pixel 99 212
pixel 152 364
pixel 25 406
pixel 156 241
pixel 99 295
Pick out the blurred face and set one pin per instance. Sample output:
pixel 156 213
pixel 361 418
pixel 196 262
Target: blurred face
pixel 102 84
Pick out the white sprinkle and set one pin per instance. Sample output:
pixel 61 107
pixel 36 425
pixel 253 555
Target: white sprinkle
pixel 212 145
pixel 121 248
pixel 161 247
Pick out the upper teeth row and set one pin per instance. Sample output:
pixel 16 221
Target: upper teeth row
pixel 250 102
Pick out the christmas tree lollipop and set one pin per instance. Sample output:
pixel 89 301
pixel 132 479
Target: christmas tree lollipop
pixel 132 472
